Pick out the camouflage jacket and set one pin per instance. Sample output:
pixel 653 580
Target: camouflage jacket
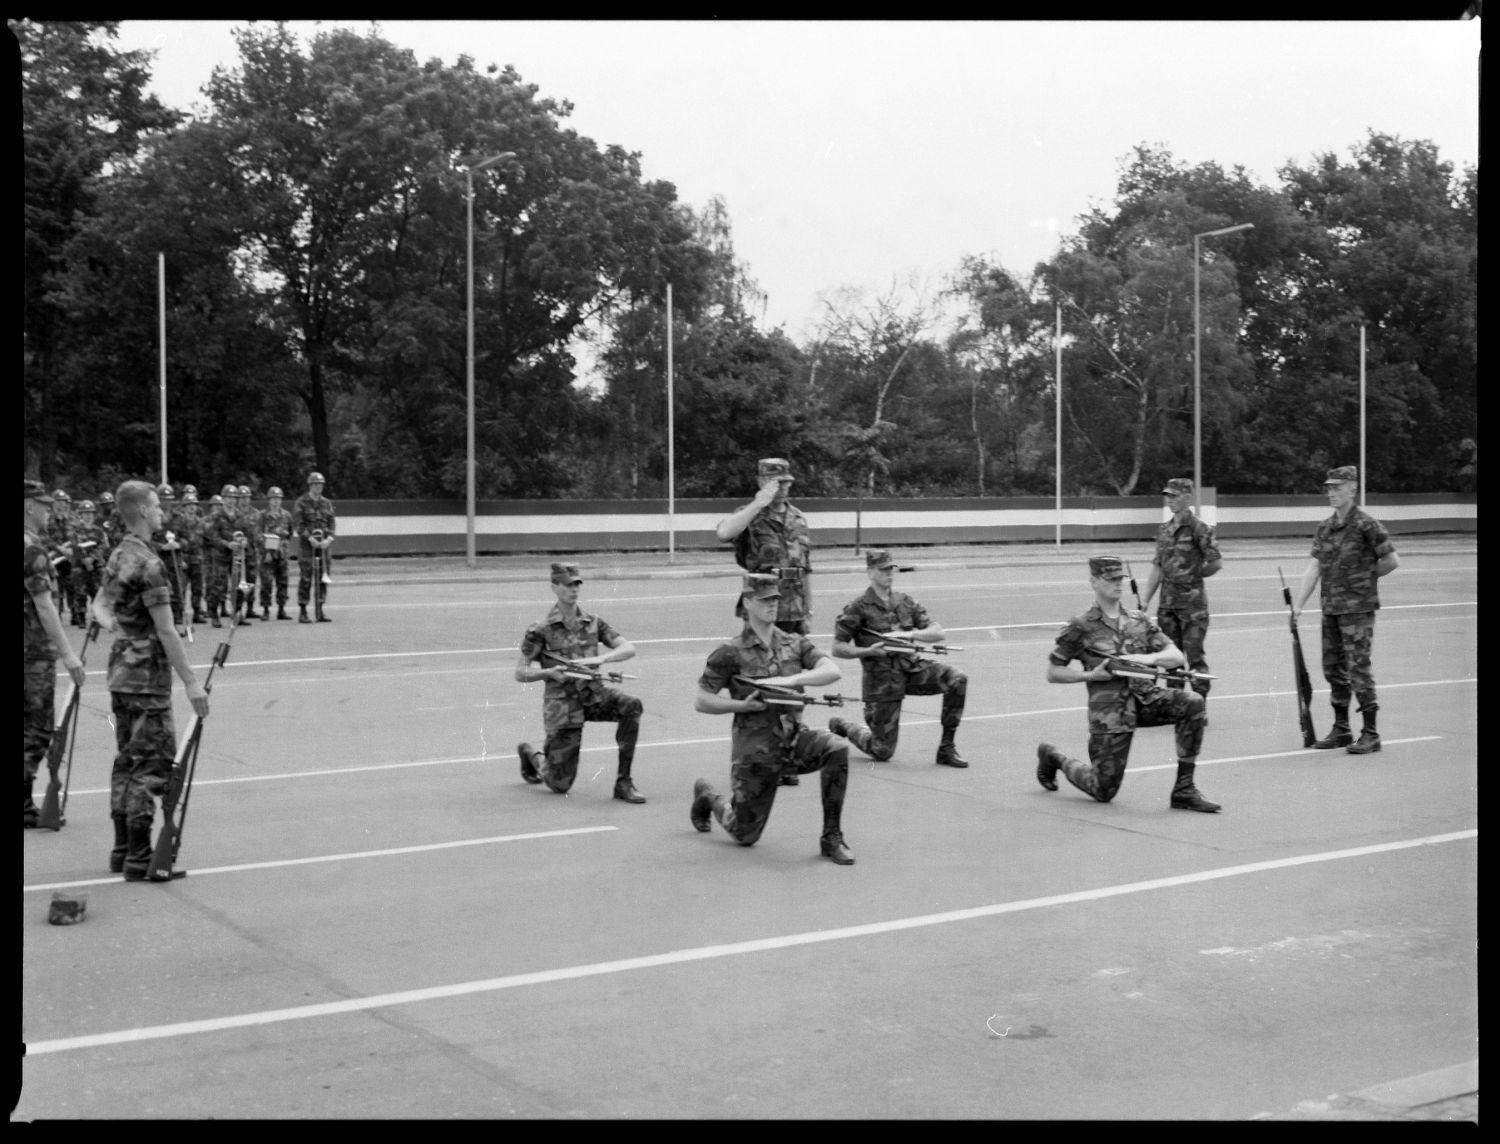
pixel 40 577
pixel 759 736
pixel 114 527
pixel 779 538
pixel 135 581
pixel 1089 638
pixel 564 700
pixel 1347 554
pixel 90 547
pixel 310 512
pixel 59 535
pixel 218 536
pixel 275 522
pixel 189 530
pixel 884 677
pixel 1184 545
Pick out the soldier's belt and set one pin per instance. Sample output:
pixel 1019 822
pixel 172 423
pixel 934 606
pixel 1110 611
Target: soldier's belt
pixel 786 573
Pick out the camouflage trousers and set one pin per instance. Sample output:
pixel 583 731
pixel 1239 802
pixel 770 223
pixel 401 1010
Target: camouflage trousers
pixel 215 582
pixel 753 784
pixel 1187 630
pixel 307 572
pixel 877 738
pixel 559 766
pixel 40 680
pixel 193 574
pixel 1101 776
pixel 146 745
pixel 1346 658
pixel 273 573
pixel 82 585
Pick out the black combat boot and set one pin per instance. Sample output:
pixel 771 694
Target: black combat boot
pixel 947 753
pixel 1185 796
pixel 281 612
pixel 302 614
pixel 529 770
pixel 1338 735
pixel 29 813
pixel 122 843
pixel 137 851
pixel 213 616
pixel 1048 760
pixel 703 805
pixel 322 619
pixel 265 611
pixel 1369 738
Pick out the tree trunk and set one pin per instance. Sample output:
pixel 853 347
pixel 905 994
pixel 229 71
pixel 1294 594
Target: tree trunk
pixel 317 411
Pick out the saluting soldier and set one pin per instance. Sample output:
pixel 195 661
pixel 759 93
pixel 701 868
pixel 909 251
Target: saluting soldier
pixel 275 538
pixel 570 633
pixel 769 739
pixel 312 513
pixel 1186 555
pixel 890 674
pixel 90 549
pixel 1107 631
pixel 1350 551
pixel 43 642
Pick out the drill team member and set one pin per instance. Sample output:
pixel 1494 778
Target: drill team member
pixel 138 600
pixel 43 642
pixel 190 535
pixel 247 520
pixel 312 512
pixel 114 527
pixel 1117 706
pixel 276 537
pixel 889 673
pixel 769 739
pixel 1350 551
pixel 218 555
pixel 59 537
pixel 165 544
pixel 771 538
pixel 89 551
pixel 1186 555
pixel 570 633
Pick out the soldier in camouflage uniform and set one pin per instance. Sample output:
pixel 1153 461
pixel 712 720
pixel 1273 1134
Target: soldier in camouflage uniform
pixel 189 529
pixel 312 512
pixel 146 650
pixel 59 536
pixel 114 527
pixel 891 674
pixel 90 549
pixel 1117 706
pixel 570 633
pixel 275 540
pixel 247 520
pixel 1350 551
pixel 166 545
pixel 1186 555
pixel 218 555
pixel 771 537
pixel 768 739
pixel 43 642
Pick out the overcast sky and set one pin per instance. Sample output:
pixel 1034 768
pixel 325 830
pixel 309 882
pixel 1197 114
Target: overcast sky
pixel 848 153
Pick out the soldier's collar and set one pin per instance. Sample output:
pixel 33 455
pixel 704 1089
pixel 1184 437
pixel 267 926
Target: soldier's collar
pixel 555 615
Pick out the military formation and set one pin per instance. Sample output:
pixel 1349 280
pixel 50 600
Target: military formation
pixel 152 562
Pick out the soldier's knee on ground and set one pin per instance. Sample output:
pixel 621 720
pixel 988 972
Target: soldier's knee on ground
pixel 632 708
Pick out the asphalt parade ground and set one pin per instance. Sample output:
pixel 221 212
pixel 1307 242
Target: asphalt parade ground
pixel 383 920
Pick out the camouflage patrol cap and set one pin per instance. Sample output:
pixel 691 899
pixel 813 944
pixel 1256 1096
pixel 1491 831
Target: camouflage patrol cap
pixel 760 586
pixel 106 497
pixel 164 492
pixel 35 490
pixel 315 478
pixel 275 491
pixel 876 558
pixel 229 491
pixel 1341 474
pixel 1107 567
pixel 86 506
pixel 566 574
pixel 60 496
pixel 1176 487
pixel 774 467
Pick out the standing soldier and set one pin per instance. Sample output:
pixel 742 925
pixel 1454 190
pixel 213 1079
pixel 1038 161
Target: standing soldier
pixel 276 535
pixel 1109 633
pixel 137 598
pixel 60 542
pixel 218 555
pixel 165 544
pixel 569 638
pixel 1186 555
pixel 771 538
pixel 89 552
pixel 1350 551
pixel 248 522
pixel 190 536
pixel 768 739
pixel 890 673
pixel 312 513
pixel 43 642
pixel 114 527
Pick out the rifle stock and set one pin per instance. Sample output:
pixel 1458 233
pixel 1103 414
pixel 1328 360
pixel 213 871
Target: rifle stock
pixel 1299 669
pixel 63 736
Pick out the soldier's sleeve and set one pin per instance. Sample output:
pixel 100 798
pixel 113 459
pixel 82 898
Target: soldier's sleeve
pixel 808 653
pixel 607 634
pixel 919 617
pixel 1070 644
pixel 1378 538
pixel 38 568
pixel 1156 639
pixel 332 523
pixel 532 643
pixel 742 546
pixel 848 624
pixel 297 516
pixel 1208 544
pixel 722 666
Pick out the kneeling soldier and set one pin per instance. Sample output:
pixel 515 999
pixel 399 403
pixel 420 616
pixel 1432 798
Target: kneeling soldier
pixel 891 673
pixel 566 645
pixel 769 739
pixel 1110 632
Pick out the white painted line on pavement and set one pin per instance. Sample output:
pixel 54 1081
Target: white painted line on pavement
pixel 198 873
pixel 1276 755
pixel 709 952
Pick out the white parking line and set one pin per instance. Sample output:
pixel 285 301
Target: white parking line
pixel 198 873
pixel 708 952
pixel 1277 755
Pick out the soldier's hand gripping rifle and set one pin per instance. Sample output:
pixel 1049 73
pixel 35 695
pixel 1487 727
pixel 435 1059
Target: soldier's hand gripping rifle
pixel 1299 669
pixel 63 735
pixel 778 696
pixel 1131 669
pixel 901 643
pixel 174 802
pixel 574 670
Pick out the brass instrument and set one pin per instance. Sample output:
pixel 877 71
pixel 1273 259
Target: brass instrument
pixel 320 555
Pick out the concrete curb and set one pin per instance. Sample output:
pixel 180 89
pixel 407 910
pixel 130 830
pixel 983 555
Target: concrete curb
pixel 1448 1094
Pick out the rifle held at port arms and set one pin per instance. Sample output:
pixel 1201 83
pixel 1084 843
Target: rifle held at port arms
pixel 778 696
pixel 909 645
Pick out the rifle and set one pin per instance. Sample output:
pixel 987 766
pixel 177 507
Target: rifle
pixel 321 578
pixel 63 735
pixel 1299 669
pixel 903 644
pixel 1130 669
pixel 174 802
pixel 787 696
pixel 580 671
pixel 174 566
pixel 239 588
pixel 1140 607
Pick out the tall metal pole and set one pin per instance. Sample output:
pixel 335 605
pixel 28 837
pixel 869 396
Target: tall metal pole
pixel 1198 362
pixel 161 308
pixel 1363 477
pixel 469 397
pixel 671 445
pixel 1057 371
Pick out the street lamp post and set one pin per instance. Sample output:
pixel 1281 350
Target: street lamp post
pixel 1198 363
pixel 469 462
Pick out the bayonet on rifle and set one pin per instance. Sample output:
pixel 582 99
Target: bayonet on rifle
pixel 63 736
